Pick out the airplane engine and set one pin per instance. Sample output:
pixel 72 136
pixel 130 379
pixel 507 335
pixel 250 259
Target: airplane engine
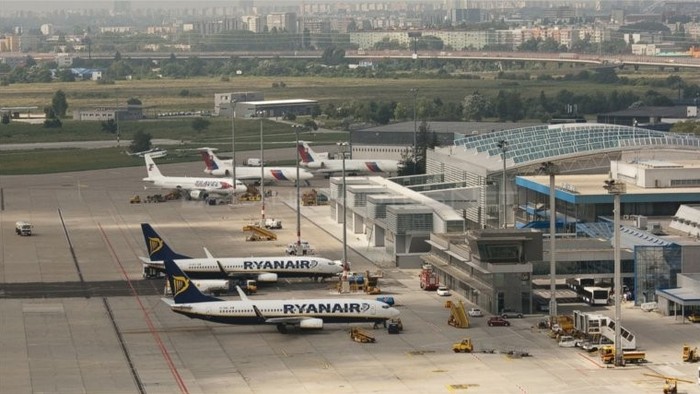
pixel 267 278
pixel 315 164
pixel 196 194
pixel 220 172
pixel 316 324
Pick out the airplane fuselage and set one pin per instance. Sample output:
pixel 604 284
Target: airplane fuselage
pixel 282 266
pixel 329 310
pixel 269 173
pixel 354 165
pixel 209 185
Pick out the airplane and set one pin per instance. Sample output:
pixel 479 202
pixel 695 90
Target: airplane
pixel 301 313
pixel 195 187
pixel 262 269
pixel 218 167
pixel 316 162
pixel 155 153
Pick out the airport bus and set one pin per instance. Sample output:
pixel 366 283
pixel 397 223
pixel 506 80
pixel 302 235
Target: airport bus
pixel 577 284
pixel 594 295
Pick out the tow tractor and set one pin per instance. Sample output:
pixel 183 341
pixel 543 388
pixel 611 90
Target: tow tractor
pixel 670 384
pixel 463 346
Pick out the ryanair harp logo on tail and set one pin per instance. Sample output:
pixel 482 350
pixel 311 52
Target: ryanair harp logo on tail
pixel 180 285
pixel 154 245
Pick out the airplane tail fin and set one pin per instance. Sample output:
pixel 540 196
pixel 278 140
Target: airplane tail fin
pixel 184 291
pixel 209 159
pixel 151 168
pixel 158 250
pixel 306 154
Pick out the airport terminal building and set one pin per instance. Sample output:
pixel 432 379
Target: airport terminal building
pixel 467 180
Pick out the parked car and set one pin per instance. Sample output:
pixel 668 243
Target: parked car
pixel 509 313
pixel 443 291
pixel 694 317
pixel 475 312
pixel 498 321
pixel 568 341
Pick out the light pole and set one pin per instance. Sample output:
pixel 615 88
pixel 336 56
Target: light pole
pixel 296 149
pixel 343 149
pixel 233 146
pixel 262 173
pixel 415 122
pixel 617 188
pixel 503 146
pixel 552 169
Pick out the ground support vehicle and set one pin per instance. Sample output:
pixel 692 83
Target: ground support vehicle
pixel 690 355
pixel 305 248
pixel 135 199
pixel 359 335
pixel 313 197
pixel 463 346
pixel 428 278
pixel 271 223
pixel 670 383
pixel 607 355
pixel 258 233
pixel 458 316
pixel 23 228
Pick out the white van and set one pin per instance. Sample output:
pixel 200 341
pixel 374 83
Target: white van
pixel 23 228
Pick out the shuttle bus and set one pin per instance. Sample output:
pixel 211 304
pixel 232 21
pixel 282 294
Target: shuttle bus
pixel 595 295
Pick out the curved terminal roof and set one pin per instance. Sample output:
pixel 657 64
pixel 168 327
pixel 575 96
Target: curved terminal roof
pixel 528 145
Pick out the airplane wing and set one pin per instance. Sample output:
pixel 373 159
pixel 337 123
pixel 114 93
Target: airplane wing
pixel 280 320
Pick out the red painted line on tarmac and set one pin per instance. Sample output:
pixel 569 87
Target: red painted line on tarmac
pixel 592 361
pixel 151 327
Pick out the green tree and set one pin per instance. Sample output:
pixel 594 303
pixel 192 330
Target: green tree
pixel 200 124
pixel 59 103
pixel 110 126
pixel 141 142
pixel 476 107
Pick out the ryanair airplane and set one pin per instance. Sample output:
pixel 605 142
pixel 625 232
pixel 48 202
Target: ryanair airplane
pixel 302 313
pixel 262 269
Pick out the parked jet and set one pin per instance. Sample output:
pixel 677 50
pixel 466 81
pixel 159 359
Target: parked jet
pixel 195 187
pixel 262 269
pixel 218 167
pixel 316 162
pixel 302 313
pixel 155 153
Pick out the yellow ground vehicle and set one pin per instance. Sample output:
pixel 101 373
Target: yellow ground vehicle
pixel 359 335
pixel 690 355
pixel 607 355
pixel 258 233
pixel 463 346
pixel 670 384
pixel 136 199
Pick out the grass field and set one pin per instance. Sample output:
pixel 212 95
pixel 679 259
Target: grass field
pixel 197 94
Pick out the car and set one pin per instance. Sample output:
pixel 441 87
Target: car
pixel 443 291
pixel 568 341
pixel 475 312
pixel 694 317
pixel 498 321
pixel 509 313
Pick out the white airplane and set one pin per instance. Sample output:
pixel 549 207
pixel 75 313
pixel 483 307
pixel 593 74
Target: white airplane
pixel 218 167
pixel 262 269
pixel 316 162
pixel 301 313
pixel 155 153
pixel 195 187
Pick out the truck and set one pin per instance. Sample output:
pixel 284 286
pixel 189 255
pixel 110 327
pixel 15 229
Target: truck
pixel 272 223
pixel 305 248
pixel 23 228
pixel 607 355
pixel 428 278
pixel 252 162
